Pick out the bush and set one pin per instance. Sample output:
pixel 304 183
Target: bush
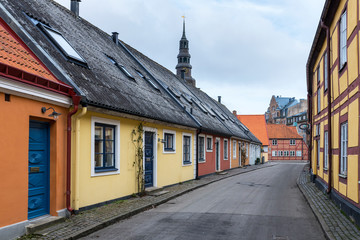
pixel 257 161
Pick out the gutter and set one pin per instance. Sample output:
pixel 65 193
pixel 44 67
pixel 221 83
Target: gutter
pixel 328 106
pixel 76 101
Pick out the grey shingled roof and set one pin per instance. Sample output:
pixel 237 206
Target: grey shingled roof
pixel 102 84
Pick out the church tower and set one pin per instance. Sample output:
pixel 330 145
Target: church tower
pixel 183 68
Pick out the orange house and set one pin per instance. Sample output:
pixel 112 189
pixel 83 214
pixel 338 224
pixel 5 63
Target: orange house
pixel 34 107
pixel 257 125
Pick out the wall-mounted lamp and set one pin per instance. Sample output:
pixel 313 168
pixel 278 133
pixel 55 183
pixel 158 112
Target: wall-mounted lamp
pixel 54 114
pixel 161 140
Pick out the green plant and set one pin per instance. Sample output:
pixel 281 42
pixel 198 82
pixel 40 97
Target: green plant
pixel 137 139
pixel 243 156
pixel 257 161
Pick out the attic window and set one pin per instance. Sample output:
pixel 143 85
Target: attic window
pixel 187 97
pixel 62 44
pixel 208 109
pixel 121 67
pixel 148 80
pixel 226 117
pixel 175 92
pixel 200 106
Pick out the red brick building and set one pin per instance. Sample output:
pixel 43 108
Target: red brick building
pixel 285 143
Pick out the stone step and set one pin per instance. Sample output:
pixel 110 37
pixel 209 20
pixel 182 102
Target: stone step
pixel 42 223
pixel 152 189
pixel 158 193
pixel 221 173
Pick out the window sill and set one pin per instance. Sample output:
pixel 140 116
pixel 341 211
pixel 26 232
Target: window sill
pixel 325 168
pixel 226 159
pixel 342 175
pixel 201 161
pixel 169 150
pixel 106 170
pixel 186 163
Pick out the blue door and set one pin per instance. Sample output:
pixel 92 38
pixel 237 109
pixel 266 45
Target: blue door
pixel 149 159
pixel 38 197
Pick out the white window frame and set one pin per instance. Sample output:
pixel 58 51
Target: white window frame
pixel 292 153
pixel 318 101
pixel 343 148
pixel 318 153
pixel 204 148
pixel 280 153
pixel 343 41
pixel 234 149
pixel 298 153
pixel 226 157
pixel 274 153
pixel 212 144
pixel 325 71
pixel 116 123
pixel 326 150
pixel 182 153
pixel 286 153
pixel 292 142
pixel 274 142
pixel 174 141
pixel 265 149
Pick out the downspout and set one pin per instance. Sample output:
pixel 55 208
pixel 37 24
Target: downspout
pixel 329 105
pixel 76 100
pixel 197 154
pixel 311 128
pixel 77 155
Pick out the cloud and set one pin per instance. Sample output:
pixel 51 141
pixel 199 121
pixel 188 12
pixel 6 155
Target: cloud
pixel 246 51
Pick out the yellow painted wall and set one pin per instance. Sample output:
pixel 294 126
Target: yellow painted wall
pixel 353 60
pixel 96 189
pixel 353 124
pixel 352 178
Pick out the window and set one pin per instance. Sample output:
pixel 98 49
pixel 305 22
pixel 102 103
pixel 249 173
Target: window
pixel 343 40
pixel 325 71
pixel 318 101
pixel 265 148
pixel 186 149
pixel 169 141
pixel 234 149
pixel 274 153
pixel 201 149
pixel 292 153
pixel 62 44
pixel 274 142
pixel 286 153
pixel 298 153
pixel 292 142
pixel 318 153
pixel 209 144
pixel 343 148
pixel 318 75
pixel 105 146
pixel 148 80
pixel 225 149
pixel 280 153
pixel 326 149
pixel 121 67
pixel 317 130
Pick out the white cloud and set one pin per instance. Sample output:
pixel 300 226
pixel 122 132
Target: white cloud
pixel 246 51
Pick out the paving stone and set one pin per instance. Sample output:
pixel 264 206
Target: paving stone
pixel 333 222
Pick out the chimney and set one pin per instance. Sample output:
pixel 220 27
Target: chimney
pixel 235 113
pixel 219 99
pixel 115 37
pixel 74 7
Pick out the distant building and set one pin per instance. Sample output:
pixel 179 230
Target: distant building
pixel 285 143
pixel 278 109
pixel 297 114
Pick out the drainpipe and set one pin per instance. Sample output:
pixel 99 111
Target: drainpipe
pixel 309 97
pixel 197 152
pixel 77 155
pixel 76 100
pixel 329 105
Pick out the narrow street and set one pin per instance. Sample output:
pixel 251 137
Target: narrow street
pixel 263 204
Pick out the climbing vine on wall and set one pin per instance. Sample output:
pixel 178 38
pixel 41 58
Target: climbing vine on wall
pixel 243 156
pixel 137 139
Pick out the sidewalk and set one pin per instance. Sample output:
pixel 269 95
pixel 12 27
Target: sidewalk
pixel 89 221
pixel 333 222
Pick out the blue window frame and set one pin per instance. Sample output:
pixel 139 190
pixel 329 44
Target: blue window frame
pixel 104 147
pixel 169 142
pixel 186 149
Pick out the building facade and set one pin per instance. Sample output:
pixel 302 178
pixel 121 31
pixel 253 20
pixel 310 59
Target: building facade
pixel 333 95
pixel 285 143
pixel 278 109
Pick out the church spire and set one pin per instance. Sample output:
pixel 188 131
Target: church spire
pixel 183 68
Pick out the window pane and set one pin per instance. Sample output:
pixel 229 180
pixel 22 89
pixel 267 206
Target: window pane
pixel 109 161
pixel 109 146
pixel 98 160
pixel 98 146
pixel 98 132
pixel 109 133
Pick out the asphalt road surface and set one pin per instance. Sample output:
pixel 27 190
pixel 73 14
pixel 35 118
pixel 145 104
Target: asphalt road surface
pixel 263 204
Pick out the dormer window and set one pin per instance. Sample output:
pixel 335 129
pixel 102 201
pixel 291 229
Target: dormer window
pixel 62 44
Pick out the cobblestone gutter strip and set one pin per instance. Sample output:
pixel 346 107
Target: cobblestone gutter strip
pixel 334 224
pixel 93 220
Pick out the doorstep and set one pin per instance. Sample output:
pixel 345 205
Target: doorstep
pixel 41 223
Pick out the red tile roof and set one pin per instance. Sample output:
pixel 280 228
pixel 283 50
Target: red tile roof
pixel 13 54
pixel 282 131
pixel 257 125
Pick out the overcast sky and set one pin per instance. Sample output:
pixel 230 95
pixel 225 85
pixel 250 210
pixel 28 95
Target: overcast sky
pixel 243 50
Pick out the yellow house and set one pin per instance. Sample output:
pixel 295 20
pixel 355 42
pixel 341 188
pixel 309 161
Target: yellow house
pixel 333 94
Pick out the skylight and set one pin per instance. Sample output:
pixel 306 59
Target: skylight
pixel 61 43
pixel 121 67
pixel 175 92
pixel 200 106
pixel 148 80
pixel 208 109
pixel 187 97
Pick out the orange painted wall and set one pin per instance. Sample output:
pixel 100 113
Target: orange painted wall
pixel 14 144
